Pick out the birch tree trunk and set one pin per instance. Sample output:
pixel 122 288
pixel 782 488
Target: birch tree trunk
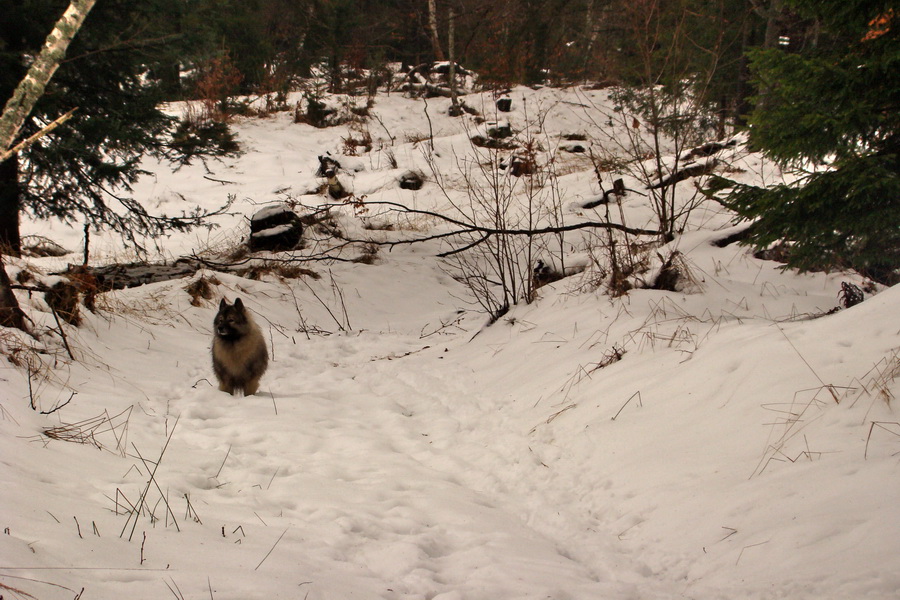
pixel 19 107
pixel 31 88
pixel 432 24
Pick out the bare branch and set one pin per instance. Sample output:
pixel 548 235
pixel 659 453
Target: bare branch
pixel 25 144
pixel 486 232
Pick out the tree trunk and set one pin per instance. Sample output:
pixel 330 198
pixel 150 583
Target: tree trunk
pixel 772 12
pixel 455 110
pixel 432 25
pixel 591 30
pixel 10 201
pixel 31 88
pixel 10 313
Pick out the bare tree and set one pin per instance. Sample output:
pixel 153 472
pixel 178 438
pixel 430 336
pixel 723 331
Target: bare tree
pixel 665 113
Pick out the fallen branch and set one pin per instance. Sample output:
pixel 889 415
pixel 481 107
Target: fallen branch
pixel 470 228
pixel 25 144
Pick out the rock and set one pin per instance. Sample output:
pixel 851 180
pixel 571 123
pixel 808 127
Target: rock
pixel 573 147
pixel 275 228
pixel 411 181
pixel 521 164
pixel 499 131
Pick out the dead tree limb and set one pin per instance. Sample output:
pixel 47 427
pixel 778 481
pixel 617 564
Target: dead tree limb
pixel 25 144
pixel 469 228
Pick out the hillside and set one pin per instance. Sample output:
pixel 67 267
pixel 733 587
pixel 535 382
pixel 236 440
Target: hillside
pixel 737 438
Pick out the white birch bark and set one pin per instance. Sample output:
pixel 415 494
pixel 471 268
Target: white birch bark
pixel 32 86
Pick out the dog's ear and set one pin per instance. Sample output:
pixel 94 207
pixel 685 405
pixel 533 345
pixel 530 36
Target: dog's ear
pixel 238 305
pixel 223 304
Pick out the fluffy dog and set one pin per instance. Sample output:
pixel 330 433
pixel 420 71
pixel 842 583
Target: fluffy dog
pixel 239 354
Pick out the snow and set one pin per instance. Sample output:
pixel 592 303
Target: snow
pixel 268 212
pixel 745 445
pixel 273 231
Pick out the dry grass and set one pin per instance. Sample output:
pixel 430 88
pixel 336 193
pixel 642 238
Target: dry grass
pixel 878 381
pixel 142 506
pixel 807 406
pixel 105 431
pixel 369 255
pixel 354 145
pixel 201 289
pixel 281 270
pixel 415 137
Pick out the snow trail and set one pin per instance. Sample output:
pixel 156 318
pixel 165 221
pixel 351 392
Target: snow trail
pixel 372 462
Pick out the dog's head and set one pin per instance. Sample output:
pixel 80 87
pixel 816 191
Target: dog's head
pixel 231 321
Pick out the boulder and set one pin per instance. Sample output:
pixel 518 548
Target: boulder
pixel 411 181
pixel 275 228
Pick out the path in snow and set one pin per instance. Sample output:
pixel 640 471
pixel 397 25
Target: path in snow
pixel 374 470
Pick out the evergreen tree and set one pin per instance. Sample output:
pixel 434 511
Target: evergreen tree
pixel 82 172
pixel 832 116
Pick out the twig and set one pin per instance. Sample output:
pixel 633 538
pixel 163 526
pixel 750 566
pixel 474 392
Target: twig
pixel 222 181
pixel 813 371
pixel 270 550
pixel 50 583
pixel 380 122
pixel 745 547
pixel 30 391
pixel 430 127
pixel 190 511
pixel 223 462
pixel 340 294
pixel 163 497
pixel 23 145
pixel 551 418
pixel 640 403
pixel 62 333
pixel 322 302
pixel 142 501
pixel 59 406
pixel 177 595
pixel 87 243
pixel 881 425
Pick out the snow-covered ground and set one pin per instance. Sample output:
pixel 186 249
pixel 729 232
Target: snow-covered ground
pixel 745 445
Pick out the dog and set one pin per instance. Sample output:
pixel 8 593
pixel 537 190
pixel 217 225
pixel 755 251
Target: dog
pixel 239 353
